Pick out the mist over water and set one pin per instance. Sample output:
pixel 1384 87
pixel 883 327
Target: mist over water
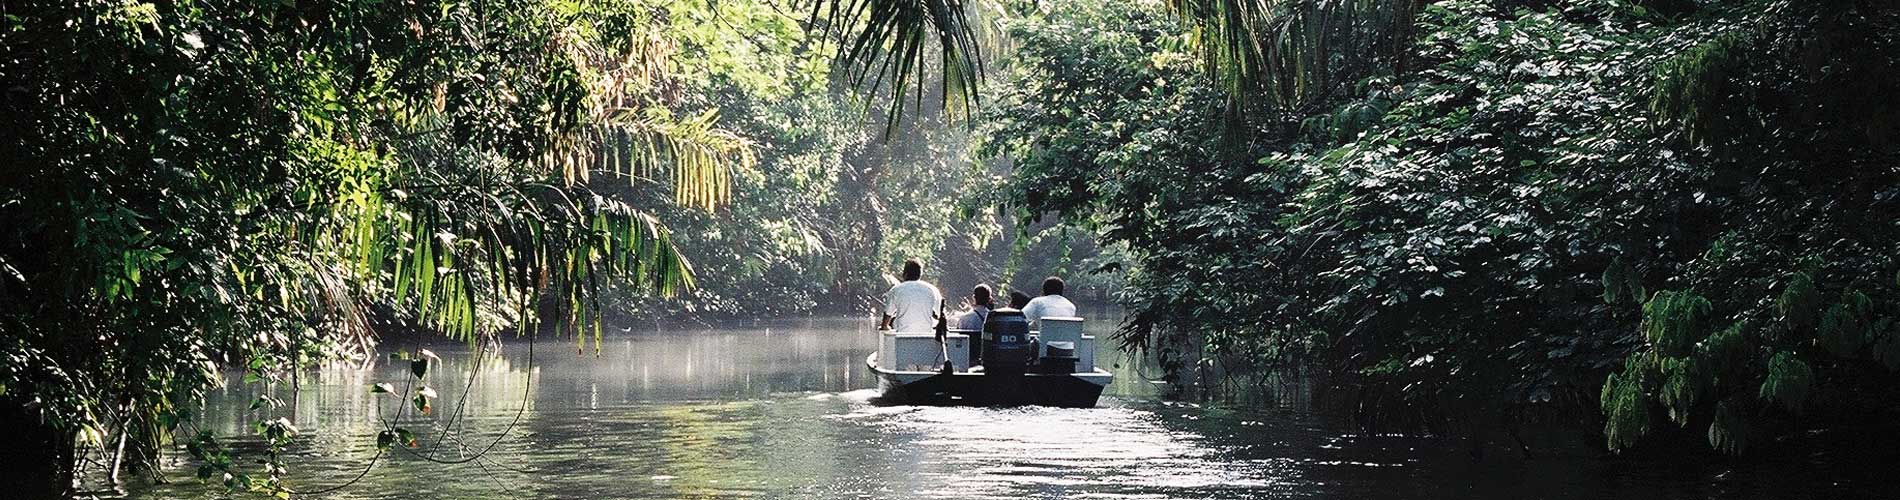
pixel 786 409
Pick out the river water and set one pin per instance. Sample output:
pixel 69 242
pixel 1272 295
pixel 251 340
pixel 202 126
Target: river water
pixel 785 410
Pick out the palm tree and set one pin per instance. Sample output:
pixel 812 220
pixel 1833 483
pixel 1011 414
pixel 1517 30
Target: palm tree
pixel 1285 54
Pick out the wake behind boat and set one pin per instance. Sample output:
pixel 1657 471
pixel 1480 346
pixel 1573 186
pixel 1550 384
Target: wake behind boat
pixel 1052 367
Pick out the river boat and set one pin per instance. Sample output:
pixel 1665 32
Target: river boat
pixel 1015 366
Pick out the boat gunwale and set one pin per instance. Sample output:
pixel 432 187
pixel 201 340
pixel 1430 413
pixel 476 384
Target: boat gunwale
pixel 871 362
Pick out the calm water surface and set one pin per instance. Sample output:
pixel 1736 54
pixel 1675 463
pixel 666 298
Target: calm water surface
pixel 784 409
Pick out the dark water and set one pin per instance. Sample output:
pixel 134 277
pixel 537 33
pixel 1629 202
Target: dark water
pixel 784 410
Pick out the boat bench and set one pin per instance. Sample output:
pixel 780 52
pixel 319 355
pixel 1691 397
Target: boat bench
pixel 918 351
pixel 1068 329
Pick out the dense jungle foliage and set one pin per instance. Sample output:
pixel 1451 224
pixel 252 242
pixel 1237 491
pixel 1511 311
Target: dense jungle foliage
pixel 1684 215
pixel 1663 219
pixel 196 186
pixel 257 184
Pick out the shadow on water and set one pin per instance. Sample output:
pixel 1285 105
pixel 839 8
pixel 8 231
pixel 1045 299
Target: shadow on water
pixel 784 410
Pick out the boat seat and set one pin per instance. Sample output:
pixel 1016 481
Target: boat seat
pixel 1060 329
pixel 971 349
pixel 918 351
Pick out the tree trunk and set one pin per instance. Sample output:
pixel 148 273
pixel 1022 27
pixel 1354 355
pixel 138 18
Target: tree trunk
pixel 37 458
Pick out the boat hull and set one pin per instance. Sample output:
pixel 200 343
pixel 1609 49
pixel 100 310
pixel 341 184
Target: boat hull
pixel 1069 390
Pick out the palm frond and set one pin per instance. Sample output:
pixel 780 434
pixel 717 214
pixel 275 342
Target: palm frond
pixel 692 155
pixel 470 259
pixel 628 131
pixel 1295 52
pixel 885 42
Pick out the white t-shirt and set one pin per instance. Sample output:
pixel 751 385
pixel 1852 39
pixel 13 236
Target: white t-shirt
pixel 1047 306
pixel 910 304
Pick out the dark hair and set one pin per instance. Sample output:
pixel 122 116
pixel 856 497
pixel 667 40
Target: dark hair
pixel 1018 299
pixel 982 294
pixel 912 270
pixel 1052 286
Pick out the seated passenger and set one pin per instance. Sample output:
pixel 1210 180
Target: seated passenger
pixel 972 322
pixel 911 306
pixel 979 310
pixel 1050 304
pixel 1017 300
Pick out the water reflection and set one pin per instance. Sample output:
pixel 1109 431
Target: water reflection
pixel 783 410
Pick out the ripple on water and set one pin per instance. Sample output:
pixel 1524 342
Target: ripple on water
pixel 1036 450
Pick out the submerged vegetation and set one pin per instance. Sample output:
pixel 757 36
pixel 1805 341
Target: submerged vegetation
pixel 1650 218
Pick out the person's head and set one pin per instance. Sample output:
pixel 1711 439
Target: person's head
pixel 1052 286
pixel 1018 299
pixel 912 270
pixel 981 295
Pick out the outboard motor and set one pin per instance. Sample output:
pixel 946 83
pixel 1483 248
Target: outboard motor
pixel 1006 347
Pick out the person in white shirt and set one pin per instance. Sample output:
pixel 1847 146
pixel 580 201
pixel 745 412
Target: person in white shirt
pixel 1050 304
pixel 911 306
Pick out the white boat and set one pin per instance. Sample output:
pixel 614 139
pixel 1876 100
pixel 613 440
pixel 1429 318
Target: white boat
pixel 915 368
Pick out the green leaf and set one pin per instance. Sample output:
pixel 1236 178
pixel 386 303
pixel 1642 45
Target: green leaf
pixel 384 439
pixel 419 367
pixel 280 429
pixel 1724 350
pixel 1626 409
pixel 1845 327
pixel 408 439
pixel 1799 302
pixel 1728 431
pixel 382 388
pixel 1888 348
pixel 1673 321
pixel 1683 382
pixel 1789 380
pixel 1620 282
